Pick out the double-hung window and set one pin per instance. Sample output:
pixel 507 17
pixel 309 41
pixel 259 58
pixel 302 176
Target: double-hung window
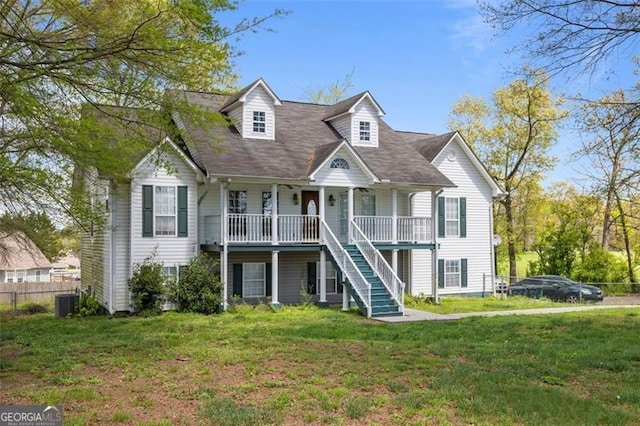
pixel 332 278
pixel 10 276
pixel 452 273
pixel 452 217
pixel 164 211
pixel 253 280
pixel 365 131
pixel 259 122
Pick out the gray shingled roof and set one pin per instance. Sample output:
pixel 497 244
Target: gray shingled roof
pixel 431 146
pixel 301 136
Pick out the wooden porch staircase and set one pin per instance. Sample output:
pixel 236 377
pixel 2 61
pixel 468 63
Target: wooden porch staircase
pixel 382 303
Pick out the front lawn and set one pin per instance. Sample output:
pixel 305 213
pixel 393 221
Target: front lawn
pixel 313 366
pixel 450 304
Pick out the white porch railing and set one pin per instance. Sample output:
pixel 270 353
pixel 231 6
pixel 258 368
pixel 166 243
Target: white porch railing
pixel 414 229
pixel 409 229
pixel 256 228
pixel 359 284
pixel 298 229
pixel 292 229
pixel 380 267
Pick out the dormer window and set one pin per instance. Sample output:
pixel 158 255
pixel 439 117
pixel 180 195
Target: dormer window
pixel 340 163
pixel 365 131
pixel 259 122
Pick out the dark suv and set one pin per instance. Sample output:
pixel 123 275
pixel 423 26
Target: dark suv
pixel 556 287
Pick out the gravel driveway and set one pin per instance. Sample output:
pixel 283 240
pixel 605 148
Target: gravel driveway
pixel 622 300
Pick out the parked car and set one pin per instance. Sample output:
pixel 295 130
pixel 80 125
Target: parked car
pixel 557 288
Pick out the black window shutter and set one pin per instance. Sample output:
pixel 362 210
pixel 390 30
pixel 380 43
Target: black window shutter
pixel 463 217
pixel 147 210
pixel 339 286
pixel 237 279
pixel 440 273
pixel 183 216
pixel 463 272
pixel 268 283
pixel 311 278
pixel 440 217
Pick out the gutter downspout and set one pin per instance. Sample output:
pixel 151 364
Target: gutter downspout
pixel 434 252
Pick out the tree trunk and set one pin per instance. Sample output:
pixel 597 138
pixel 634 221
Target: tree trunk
pixel 511 244
pixel 627 245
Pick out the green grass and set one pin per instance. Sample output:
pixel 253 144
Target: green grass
pixel 451 304
pixel 313 366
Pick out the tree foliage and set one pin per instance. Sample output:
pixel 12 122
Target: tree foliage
pixel 40 229
pixel 56 55
pixel 577 35
pixel 332 93
pixel 512 137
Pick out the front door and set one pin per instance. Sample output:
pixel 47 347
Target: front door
pixel 310 206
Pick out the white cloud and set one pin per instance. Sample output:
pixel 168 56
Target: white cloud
pixel 472 33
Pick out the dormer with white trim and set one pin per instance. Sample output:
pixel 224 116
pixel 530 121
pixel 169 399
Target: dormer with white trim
pixel 356 119
pixel 252 111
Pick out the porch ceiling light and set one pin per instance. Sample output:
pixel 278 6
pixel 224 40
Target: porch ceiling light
pixel 332 200
pixel 296 199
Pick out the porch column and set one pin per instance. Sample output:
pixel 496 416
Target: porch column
pixel 274 214
pixel 323 280
pixel 434 251
pixel 394 216
pixel 350 211
pixel 321 211
pixel 394 261
pixel 345 298
pixel 224 222
pixel 274 279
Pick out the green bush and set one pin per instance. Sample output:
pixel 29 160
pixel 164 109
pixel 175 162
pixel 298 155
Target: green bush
pixel 88 306
pixel 198 288
pixel 147 286
pixel 600 266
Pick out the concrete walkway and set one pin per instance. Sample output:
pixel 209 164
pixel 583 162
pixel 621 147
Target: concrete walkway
pixel 416 315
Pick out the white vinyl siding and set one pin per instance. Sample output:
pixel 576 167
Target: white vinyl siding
pixel 169 250
pixel 342 125
pixel 258 100
pixel 364 112
pixel 121 205
pixel 236 118
pixel 476 246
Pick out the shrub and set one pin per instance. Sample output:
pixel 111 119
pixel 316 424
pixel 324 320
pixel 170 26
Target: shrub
pixel 147 286
pixel 88 306
pixel 600 266
pixel 198 288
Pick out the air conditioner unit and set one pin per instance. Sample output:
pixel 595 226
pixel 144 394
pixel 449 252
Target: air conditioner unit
pixel 66 304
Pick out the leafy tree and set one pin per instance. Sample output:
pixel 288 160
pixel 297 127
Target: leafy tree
pixel 600 266
pixel 56 55
pixel 512 138
pixel 611 135
pixel 331 94
pixel 198 288
pixel 39 228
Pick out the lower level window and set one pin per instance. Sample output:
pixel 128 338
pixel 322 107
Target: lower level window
pixel 37 276
pixel 332 278
pixel 171 272
pixel 253 280
pixel 452 273
pixel 20 276
pixel 10 276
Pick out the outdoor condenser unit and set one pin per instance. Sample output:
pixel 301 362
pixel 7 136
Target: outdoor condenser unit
pixel 66 304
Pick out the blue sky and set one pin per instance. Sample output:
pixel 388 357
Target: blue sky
pixel 416 58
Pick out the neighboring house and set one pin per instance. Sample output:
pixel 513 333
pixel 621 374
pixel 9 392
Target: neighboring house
pixel 21 260
pixel 66 268
pixel 298 198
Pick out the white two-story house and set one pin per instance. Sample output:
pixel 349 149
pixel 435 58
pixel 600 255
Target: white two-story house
pixel 295 198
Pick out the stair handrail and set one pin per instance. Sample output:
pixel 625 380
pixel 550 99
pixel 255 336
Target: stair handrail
pixel 347 266
pixel 379 265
